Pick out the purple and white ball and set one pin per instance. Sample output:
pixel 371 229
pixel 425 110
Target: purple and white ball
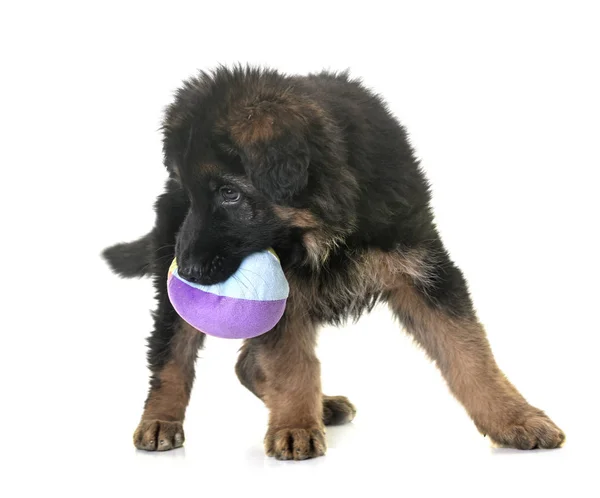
pixel 247 304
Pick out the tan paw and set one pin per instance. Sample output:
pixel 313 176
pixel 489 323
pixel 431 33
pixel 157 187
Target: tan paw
pixel 295 444
pixel 337 410
pixel 533 431
pixel 158 435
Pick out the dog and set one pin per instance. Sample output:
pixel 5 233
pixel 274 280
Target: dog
pixel 318 168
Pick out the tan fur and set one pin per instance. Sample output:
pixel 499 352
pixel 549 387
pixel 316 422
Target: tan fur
pixel 289 382
pixel 383 269
pixel 266 115
pixel 257 127
pixel 372 271
pixel 461 350
pixel 158 435
pixel 458 345
pixel 209 169
pixel 161 426
pixel 319 245
pixel 262 118
pixel 169 400
pixel 300 218
pixel 291 389
pixel 319 241
pixel 462 353
pixel 337 410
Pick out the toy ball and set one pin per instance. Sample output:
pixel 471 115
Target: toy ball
pixel 247 304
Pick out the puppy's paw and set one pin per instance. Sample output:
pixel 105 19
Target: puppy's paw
pixel 337 410
pixel 295 444
pixel 158 435
pixel 534 430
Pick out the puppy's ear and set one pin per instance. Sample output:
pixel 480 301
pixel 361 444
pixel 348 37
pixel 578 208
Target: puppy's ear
pixel 278 167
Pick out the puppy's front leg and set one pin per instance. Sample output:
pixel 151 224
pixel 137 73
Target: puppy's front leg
pixel 173 349
pixel 290 385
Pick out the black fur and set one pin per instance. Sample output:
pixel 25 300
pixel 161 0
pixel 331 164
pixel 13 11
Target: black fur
pixel 317 168
pixel 131 259
pixel 353 168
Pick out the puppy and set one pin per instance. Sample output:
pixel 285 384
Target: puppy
pixel 317 168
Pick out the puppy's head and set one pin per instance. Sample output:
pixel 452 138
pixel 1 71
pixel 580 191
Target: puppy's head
pixel 245 150
pixel 227 220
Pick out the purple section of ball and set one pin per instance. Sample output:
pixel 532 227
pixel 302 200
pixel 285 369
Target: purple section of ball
pixel 225 317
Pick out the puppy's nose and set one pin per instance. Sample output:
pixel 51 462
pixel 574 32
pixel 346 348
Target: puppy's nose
pixel 203 272
pixel 190 272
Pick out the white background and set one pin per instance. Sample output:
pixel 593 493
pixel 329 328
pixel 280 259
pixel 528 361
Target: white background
pixel 501 100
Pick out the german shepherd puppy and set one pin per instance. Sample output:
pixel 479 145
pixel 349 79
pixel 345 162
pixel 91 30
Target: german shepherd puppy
pixel 317 168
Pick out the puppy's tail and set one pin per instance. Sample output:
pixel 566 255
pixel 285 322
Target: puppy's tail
pixel 130 259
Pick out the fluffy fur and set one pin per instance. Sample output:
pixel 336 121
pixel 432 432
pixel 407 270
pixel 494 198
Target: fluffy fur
pixel 318 168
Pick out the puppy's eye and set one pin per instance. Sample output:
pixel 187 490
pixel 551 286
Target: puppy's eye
pixel 229 195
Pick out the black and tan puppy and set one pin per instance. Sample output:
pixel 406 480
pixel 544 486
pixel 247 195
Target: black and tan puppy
pixel 319 169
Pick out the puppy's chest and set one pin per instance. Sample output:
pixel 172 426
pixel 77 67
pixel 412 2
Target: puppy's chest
pixel 353 282
pixel 334 296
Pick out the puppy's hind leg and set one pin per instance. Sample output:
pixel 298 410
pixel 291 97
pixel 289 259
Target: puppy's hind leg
pixel 434 305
